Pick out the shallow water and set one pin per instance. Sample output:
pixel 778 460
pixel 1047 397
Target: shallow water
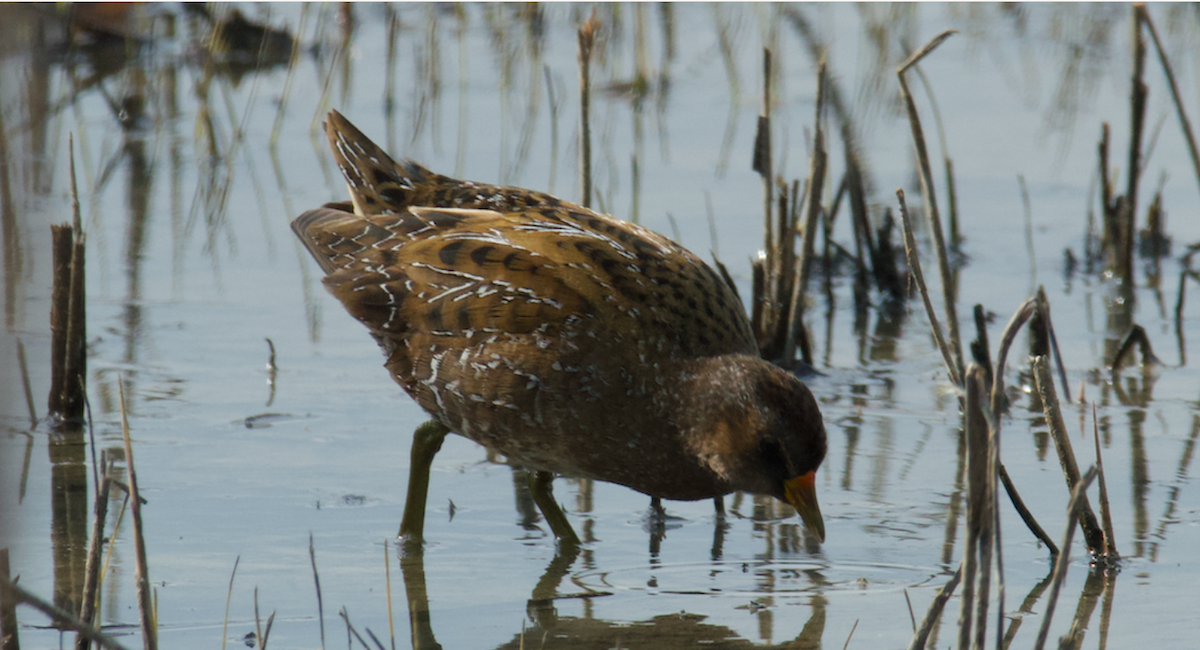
pixel 191 265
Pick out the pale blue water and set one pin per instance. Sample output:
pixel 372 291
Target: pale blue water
pixel 186 323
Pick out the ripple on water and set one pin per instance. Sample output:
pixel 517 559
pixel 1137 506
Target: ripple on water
pixel 753 578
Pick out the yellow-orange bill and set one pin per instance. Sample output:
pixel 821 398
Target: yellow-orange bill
pixel 801 492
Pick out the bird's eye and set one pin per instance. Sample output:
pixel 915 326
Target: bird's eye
pixel 772 458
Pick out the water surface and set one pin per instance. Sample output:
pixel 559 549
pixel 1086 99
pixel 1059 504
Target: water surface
pixel 187 192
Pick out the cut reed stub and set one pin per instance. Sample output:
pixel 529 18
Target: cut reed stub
pixel 68 330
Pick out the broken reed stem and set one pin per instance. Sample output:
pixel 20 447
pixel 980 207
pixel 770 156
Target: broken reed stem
pixel 816 182
pixel 914 263
pixel 587 38
pixel 935 611
pixel 1026 515
pixel 10 592
pixel 1075 509
pixel 927 191
pixel 1144 15
pixel 1110 540
pixel 91 581
pixel 1093 535
pixel 68 331
pixel 62 246
pixel 145 607
pixel 999 399
pixel 75 371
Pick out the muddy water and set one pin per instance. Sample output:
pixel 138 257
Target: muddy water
pixel 187 192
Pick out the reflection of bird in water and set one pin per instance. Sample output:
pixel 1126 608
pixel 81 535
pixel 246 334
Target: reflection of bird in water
pixel 665 632
pixel 569 341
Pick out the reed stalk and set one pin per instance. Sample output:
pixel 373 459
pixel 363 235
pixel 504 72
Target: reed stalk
pixel 312 556
pixel 1185 124
pixel 145 601
pixel 914 264
pixel 1110 540
pixel 935 611
pixel 1093 534
pixel 228 598
pixel 91 584
pixel 587 38
pixel 927 191
pixel 15 594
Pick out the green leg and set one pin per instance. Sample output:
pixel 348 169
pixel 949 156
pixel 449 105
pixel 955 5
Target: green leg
pixel 427 441
pixel 543 496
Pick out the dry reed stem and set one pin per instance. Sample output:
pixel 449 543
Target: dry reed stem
pixel 951 196
pixel 935 611
pixel 851 635
pixel 387 580
pixel 312 556
pixel 374 638
pixel 914 263
pixel 927 190
pixel 68 357
pixel 1058 358
pixel 1074 509
pixel 990 539
pixel 261 634
pixel 228 598
pixel 979 516
pixel 1018 319
pixel 1026 516
pixel 350 629
pixel 857 177
pixel 60 313
pixel 1092 533
pixel 149 625
pixel 75 373
pixel 91 581
pixel 980 348
pixel 815 183
pixel 115 531
pixel 764 165
pixel 1144 15
pixel 10 592
pixel 586 36
pixel 1110 541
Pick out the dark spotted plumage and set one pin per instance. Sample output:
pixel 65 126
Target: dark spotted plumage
pixel 565 339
